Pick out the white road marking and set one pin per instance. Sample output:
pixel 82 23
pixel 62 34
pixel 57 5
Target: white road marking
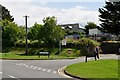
pixel 20 63
pixel 0 72
pixel 39 68
pixel 54 72
pixel 35 67
pixel 11 76
pixel 60 71
pixel 44 70
pixel 48 70
pixel 31 66
pixel 26 66
pixel 17 64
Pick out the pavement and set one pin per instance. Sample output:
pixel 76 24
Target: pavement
pixel 40 69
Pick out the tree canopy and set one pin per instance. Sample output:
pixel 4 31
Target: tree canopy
pixel 9 33
pixel 6 14
pixel 90 25
pixel 48 34
pixel 34 31
pixel 110 18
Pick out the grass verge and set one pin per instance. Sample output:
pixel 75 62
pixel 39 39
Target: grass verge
pixel 94 70
pixel 19 53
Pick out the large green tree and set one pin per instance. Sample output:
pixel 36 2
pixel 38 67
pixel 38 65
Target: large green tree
pixel 90 25
pixel 34 31
pixel 5 13
pixel 50 32
pixel 10 32
pixel 110 18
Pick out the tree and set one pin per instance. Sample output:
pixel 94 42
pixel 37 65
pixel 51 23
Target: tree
pixel 50 33
pixel 90 25
pixel 9 33
pixel 6 14
pixel 110 18
pixel 21 33
pixel 33 32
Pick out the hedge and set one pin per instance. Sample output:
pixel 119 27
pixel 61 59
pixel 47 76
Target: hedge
pixel 110 47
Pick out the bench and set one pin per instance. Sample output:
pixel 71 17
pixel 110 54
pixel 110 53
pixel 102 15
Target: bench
pixel 44 54
pixel 90 55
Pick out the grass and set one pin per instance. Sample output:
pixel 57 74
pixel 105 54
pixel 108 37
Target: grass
pixel 18 53
pixel 32 57
pixel 95 69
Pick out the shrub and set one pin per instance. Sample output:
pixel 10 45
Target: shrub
pixel 72 53
pixel 34 43
pixel 71 43
pixel 21 43
pixel 110 47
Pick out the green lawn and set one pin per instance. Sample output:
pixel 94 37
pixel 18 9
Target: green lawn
pixel 18 53
pixel 32 57
pixel 95 69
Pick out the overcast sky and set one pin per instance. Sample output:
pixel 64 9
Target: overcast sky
pixel 74 11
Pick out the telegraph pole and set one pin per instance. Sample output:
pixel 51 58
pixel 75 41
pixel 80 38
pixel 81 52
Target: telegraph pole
pixel 26 34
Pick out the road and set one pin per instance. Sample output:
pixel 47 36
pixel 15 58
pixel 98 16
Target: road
pixel 38 69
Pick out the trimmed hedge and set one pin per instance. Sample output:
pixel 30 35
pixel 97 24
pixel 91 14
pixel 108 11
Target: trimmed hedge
pixel 71 43
pixel 110 47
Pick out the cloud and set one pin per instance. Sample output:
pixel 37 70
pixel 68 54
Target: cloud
pixel 76 14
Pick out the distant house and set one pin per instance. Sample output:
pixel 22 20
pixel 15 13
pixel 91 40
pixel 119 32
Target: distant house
pixel 73 27
pixel 97 35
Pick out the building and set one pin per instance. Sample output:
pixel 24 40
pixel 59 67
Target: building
pixel 96 34
pixel 73 27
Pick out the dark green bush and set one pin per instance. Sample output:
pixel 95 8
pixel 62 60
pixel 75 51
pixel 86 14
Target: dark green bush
pixel 71 43
pixel 34 43
pixel 110 47
pixel 72 53
pixel 21 43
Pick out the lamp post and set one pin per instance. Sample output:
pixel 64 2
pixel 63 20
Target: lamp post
pixel 26 34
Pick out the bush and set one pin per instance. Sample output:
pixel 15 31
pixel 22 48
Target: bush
pixel 34 43
pixel 71 43
pixel 72 53
pixel 110 47
pixel 21 43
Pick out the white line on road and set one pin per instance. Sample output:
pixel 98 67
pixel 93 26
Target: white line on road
pixel 31 66
pixel 44 70
pixel 0 72
pixel 60 71
pixel 20 63
pixel 26 66
pixel 54 72
pixel 35 67
pixel 39 68
pixel 11 76
pixel 48 70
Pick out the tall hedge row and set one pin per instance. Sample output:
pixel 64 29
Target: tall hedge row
pixel 110 47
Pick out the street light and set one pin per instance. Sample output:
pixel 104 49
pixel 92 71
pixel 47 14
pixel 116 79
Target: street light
pixel 26 34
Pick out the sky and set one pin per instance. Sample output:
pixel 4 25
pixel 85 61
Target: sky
pixel 66 11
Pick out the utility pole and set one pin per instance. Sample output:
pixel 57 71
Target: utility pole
pixel 26 34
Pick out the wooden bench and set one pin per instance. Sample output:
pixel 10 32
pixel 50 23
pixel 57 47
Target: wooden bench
pixel 44 54
pixel 90 55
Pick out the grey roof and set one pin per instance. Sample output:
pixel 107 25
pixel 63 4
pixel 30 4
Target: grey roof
pixel 73 27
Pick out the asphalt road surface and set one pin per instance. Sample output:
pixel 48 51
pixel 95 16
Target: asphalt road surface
pixel 39 69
